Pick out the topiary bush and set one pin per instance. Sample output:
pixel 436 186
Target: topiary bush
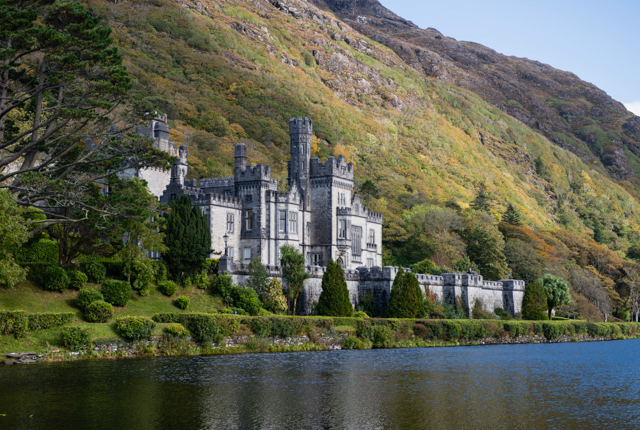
pixel 95 271
pixel 77 279
pixel 54 278
pixel 98 311
pixel 176 330
pixel 86 296
pixel 42 251
pixel 142 273
pixel 75 338
pixel 135 328
pixel 334 299
pixel 43 321
pixel 247 299
pixel 117 293
pixel 182 302
pixel 168 288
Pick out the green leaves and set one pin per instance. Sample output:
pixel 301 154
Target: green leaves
pixel 557 292
pixel 334 299
pixel 293 272
pixel 406 299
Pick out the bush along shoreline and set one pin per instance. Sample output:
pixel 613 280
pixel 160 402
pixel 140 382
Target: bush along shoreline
pixel 182 334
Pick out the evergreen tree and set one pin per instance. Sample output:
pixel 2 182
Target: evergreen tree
pixel 512 216
pixel 334 299
pixel 292 261
pixel 258 276
pixel 557 292
pixel 534 303
pixel 485 246
pixel 188 238
pixel 406 299
pixel 483 200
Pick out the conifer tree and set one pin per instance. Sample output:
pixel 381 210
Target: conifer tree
pixel 334 299
pixel 512 216
pixel 406 299
pixel 188 238
pixel 534 303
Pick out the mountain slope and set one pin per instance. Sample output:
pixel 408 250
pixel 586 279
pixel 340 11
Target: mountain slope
pixel 572 113
pixel 238 70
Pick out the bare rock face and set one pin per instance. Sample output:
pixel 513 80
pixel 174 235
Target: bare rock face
pixel 555 102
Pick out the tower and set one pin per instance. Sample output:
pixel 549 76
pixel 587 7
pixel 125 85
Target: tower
pixel 300 131
pixel 240 158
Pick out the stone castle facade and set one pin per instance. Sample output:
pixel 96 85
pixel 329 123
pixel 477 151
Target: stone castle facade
pixel 319 213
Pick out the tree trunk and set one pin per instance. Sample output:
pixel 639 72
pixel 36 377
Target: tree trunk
pixel 31 156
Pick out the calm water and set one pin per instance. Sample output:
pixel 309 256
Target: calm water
pixel 560 386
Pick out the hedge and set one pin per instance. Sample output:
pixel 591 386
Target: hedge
pixel 75 338
pixel 204 328
pixel 43 251
pixel 117 293
pixel 135 328
pixel 54 278
pixel 19 323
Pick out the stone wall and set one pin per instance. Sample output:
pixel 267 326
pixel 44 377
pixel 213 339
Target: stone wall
pixel 376 281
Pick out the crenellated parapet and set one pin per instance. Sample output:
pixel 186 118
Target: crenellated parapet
pixel 217 182
pixel 337 167
pixel 374 217
pixel 219 200
pixel 254 173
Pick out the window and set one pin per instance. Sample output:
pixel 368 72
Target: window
pixel 249 224
pixel 316 259
pixel 369 262
pixel 229 223
pixel 342 229
pixel 283 221
pixel 356 240
pixel 293 222
pixel 247 254
pixel 372 236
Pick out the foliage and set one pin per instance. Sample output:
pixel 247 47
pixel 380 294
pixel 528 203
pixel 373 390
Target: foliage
pixel 334 298
pixel 273 298
pixel 176 330
pixel 40 251
pixel 294 274
pixel 222 286
pixel 77 279
pixel 43 321
pixel 485 245
pixel 13 234
pixel 168 288
pixel 258 276
pixel 188 238
pixel 464 264
pixel 201 280
pixel 512 216
pixel 524 261
pixel 406 299
pixel 247 299
pixel 426 267
pixel 360 314
pixel 54 278
pixel 478 312
pixel 76 337
pixel 135 328
pixel 118 293
pixel 86 296
pixel 95 271
pixel 182 302
pixel 556 290
pixel 534 303
pixel 369 305
pixel 98 311
pixel 14 322
pixel 205 328
pixel 141 273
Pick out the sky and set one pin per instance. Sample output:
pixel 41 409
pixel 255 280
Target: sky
pixel 599 41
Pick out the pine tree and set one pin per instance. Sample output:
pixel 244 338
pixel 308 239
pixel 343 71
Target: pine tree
pixel 485 246
pixel 512 216
pixel 334 299
pixel 188 238
pixel 534 303
pixel 406 299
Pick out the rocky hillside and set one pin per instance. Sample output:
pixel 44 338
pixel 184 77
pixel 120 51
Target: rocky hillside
pixel 427 120
pixel 573 114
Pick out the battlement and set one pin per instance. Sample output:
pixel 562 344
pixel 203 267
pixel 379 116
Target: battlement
pixel 300 126
pixel 254 173
pixel 219 200
pixel 343 211
pixel 374 217
pixel 217 182
pixel 332 167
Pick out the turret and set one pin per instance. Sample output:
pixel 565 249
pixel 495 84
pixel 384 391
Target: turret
pixel 300 131
pixel 240 158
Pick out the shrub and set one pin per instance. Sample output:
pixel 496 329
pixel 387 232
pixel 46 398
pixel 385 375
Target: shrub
pixel 356 343
pixel 369 305
pixel 176 330
pixel 42 251
pixel 86 296
pixel 334 299
pixel 382 337
pixel 54 278
pixel 406 299
pixel 247 299
pixel 98 311
pixel 273 298
pixel 95 271
pixel 182 302
pixel 168 288
pixel 534 302
pixel 75 338
pixel 204 328
pixel 201 280
pixel 14 322
pixel 135 328
pixel 117 293
pixel 551 331
pixel 453 330
pixel 114 268
pixel 77 279
pixel 142 273
pixel 360 314
pixel 257 344
pixel 160 270
pixel 49 320
pixel 222 286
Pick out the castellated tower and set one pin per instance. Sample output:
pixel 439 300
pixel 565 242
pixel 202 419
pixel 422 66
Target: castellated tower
pixel 300 131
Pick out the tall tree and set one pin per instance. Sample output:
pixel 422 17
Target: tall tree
pixel 557 292
pixel 258 276
pixel 406 299
pixel 512 216
pixel 483 200
pixel 188 238
pixel 293 272
pixel 60 84
pixel 534 302
pixel 523 260
pixel 334 299
pixel 485 245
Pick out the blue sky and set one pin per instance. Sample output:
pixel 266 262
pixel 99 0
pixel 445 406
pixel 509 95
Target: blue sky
pixel 599 41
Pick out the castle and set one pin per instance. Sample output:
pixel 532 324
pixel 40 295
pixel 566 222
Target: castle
pixel 319 214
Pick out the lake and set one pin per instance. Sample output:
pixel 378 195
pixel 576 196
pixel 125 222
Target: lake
pixel 556 386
